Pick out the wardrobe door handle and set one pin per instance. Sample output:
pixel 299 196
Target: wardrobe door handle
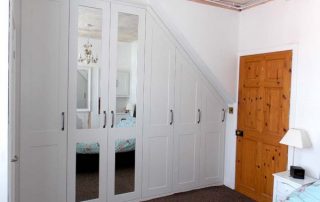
pixel 199 116
pixel 99 105
pixel 62 115
pixel 223 115
pixel 105 119
pixel 171 122
pixel 112 119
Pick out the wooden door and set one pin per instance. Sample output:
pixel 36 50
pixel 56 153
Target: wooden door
pixel 44 81
pixel 158 103
pixel 127 38
pixel 186 128
pixel 88 101
pixel 263 116
pixel 211 120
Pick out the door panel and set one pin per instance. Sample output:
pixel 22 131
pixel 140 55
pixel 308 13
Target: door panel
pixel 212 137
pixel 88 100
pixel 44 74
pixel 158 101
pixel 127 36
pixel 263 116
pixel 186 131
pixel 186 158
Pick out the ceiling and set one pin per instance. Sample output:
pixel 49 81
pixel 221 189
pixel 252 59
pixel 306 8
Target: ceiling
pixel 238 5
pixel 90 24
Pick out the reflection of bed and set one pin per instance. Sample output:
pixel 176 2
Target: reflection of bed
pixel 120 144
pixel 310 193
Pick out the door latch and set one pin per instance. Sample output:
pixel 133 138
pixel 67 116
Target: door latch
pixel 239 133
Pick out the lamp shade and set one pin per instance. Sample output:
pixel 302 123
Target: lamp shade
pixel 296 138
pixel 129 107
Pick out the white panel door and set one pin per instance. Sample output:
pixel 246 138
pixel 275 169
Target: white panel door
pixel 212 137
pixel 44 76
pixel 186 128
pixel 127 38
pixel 158 109
pixel 88 100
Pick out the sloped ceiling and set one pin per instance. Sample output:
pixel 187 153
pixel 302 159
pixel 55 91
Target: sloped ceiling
pixel 209 35
pixel 238 5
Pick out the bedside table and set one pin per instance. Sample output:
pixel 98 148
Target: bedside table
pixel 285 185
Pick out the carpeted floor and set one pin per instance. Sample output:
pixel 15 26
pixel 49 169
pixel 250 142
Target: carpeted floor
pixel 212 194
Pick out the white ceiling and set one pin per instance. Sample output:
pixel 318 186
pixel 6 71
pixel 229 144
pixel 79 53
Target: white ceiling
pixel 234 4
pixel 90 24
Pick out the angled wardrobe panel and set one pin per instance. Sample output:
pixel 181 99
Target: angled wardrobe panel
pixel 212 119
pixel 44 75
pixel 186 127
pixel 158 111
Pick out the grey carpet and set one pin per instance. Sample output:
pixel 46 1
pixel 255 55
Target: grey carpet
pixel 212 194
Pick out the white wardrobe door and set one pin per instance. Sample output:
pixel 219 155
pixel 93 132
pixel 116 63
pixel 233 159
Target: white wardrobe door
pixel 186 131
pixel 88 101
pixel 158 103
pixel 212 137
pixel 44 73
pixel 127 39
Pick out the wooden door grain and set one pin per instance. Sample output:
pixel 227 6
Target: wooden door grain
pixel 263 116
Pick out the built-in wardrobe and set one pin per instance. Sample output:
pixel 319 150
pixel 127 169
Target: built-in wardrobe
pixel 112 107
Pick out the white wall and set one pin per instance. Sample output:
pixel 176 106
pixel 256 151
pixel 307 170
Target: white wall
pixel 280 25
pixel 212 32
pixel 4 19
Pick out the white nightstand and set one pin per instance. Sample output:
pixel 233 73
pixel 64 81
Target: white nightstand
pixel 284 185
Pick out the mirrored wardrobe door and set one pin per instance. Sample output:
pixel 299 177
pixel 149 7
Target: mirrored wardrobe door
pixel 88 102
pixel 126 95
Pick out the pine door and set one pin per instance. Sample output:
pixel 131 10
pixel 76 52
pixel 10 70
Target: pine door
pixel 263 117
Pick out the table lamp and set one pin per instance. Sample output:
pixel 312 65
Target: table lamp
pixel 296 138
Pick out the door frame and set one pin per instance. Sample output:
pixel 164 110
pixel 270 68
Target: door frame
pixel 293 104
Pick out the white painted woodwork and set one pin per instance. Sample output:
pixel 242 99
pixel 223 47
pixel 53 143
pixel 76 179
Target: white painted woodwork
pixel 114 132
pixel 212 137
pixel 170 157
pixel 96 134
pixel 284 185
pixel 158 101
pixel 186 128
pixel 123 84
pixel 44 76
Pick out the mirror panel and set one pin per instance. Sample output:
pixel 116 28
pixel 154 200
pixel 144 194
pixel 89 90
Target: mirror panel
pixel 125 166
pixel 126 84
pixel 88 69
pixel 87 171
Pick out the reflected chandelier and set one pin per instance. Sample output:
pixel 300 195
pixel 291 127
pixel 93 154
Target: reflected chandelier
pixel 88 58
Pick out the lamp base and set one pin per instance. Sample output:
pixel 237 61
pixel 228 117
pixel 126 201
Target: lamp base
pixel 297 172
